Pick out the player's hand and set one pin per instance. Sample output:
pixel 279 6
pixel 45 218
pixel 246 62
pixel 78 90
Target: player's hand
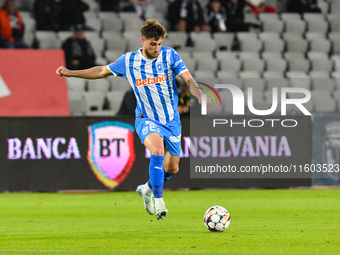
pixel 62 71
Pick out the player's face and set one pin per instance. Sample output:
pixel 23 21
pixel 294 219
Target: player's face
pixel 151 47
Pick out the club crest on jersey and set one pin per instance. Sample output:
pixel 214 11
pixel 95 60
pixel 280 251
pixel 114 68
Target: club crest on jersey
pixel 159 67
pixel 150 81
pixel 111 152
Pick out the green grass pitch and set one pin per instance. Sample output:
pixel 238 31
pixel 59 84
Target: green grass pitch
pixel 293 221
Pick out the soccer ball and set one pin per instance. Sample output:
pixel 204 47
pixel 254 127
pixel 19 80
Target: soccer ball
pixel 216 218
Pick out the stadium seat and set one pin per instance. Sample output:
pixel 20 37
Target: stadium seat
pixel 319 25
pixel 273 25
pixel 76 84
pixel 131 22
pixel 204 74
pixel 202 55
pixel 179 39
pixel 266 55
pixel 323 84
pixel 286 16
pixel 248 55
pixel 97 43
pixel 114 41
pixel 319 74
pixel 113 55
pixel 322 105
pixel 334 20
pixel 296 44
pixel 233 81
pixel 268 16
pixel 225 55
pixel 296 26
pixel 94 101
pixel 257 84
pixel 226 74
pixel 299 79
pixel 322 64
pixel 321 44
pixel 324 5
pixel 118 83
pixel 77 103
pixel 253 64
pixel 91 15
pixel 276 82
pixel 115 99
pixel 223 41
pixel 249 74
pixel 204 43
pixel 133 40
pixel 251 44
pixel 315 35
pixel 98 85
pixel 321 94
pixel 94 23
pixel 208 64
pixel 272 74
pixel 336 45
pixel 275 44
pixel 230 64
pixel 63 35
pixel 299 64
pixel 276 64
pixel 111 21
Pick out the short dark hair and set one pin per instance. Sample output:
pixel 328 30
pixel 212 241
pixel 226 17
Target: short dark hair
pixel 153 29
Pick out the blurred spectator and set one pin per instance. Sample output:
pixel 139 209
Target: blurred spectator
pixel 72 13
pixel 11 27
pixel 109 5
pixel 128 105
pixel 144 8
pixel 216 16
pixel 235 15
pixel 302 6
pixel 263 8
pixel 187 15
pixel 116 6
pixel 79 53
pixel 183 107
pixel 47 14
pixel 126 6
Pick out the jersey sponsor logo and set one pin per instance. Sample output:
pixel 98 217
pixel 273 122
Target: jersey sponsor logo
pixel 150 81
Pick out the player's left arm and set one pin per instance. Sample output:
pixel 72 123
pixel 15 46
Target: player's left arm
pixel 193 87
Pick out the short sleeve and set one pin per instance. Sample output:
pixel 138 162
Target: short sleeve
pixel 118 68
pixel 177 64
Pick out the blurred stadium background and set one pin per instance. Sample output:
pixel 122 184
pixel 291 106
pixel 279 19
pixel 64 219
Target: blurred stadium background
pixel 286 50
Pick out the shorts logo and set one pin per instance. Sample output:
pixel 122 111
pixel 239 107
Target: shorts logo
pixel 111 152
pixel 175 139
pixel 159 67
pixel 145 130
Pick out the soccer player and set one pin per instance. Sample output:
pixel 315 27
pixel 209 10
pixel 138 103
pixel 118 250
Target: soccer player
pixel 151 72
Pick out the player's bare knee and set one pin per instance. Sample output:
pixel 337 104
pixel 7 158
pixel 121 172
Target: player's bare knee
pixel 158 152
pixel 172 169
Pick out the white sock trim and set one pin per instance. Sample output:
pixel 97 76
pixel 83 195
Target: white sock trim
pixel 147 188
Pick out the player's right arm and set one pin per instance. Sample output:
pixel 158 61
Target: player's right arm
pixel 96 72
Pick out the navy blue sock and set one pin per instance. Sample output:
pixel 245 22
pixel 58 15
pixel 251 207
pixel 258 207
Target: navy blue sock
pixel 167 176
pixel 156 173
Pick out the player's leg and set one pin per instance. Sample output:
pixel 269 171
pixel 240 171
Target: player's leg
pixel 170 165
pixel 154 142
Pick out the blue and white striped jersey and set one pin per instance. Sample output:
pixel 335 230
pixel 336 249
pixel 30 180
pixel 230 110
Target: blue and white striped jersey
pixel 153 82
